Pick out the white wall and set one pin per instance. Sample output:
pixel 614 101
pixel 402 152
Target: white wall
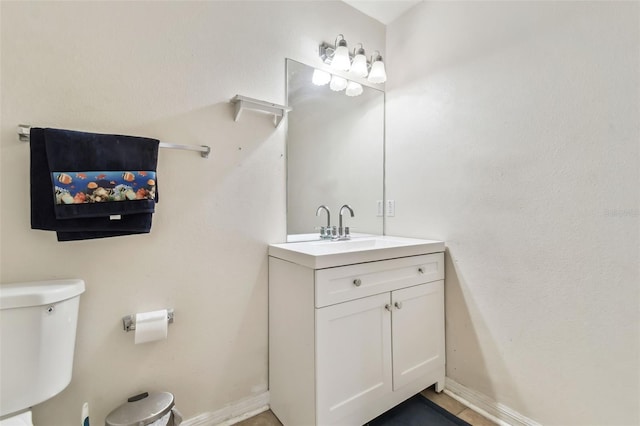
pixel 513 134
pixel 165 70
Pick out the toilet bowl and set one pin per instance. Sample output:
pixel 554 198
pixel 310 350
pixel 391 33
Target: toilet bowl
pixel 38 322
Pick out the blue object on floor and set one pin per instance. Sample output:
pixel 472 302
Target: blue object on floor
pixel 417 411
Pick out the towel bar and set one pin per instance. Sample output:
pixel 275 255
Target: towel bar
pixel 204 150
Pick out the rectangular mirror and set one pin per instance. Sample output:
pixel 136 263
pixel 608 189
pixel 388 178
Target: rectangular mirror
pixel 335 155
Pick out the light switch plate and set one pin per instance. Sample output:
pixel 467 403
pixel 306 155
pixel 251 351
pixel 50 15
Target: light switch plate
pixel 391 208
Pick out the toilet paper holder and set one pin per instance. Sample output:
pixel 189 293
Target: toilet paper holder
pixel 129 321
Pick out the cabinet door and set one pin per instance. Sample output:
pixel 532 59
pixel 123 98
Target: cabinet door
pixel 353 357
pixel 418 331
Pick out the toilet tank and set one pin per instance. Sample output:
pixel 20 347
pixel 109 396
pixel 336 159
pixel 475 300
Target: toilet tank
pixel 37 337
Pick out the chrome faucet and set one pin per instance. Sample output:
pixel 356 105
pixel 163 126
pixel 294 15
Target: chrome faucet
pixel 325 232
pixel 343 233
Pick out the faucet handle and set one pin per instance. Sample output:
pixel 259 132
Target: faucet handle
pixel 347 232
pixel 325 232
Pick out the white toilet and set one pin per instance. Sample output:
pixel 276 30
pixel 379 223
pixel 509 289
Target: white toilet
pixel 38 331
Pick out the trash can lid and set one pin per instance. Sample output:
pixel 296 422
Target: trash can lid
pixel 141 411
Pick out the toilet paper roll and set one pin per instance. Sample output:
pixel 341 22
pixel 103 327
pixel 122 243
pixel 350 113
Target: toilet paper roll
pixel 151 326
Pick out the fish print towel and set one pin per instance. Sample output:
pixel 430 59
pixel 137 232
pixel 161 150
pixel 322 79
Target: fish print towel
pixel 80 180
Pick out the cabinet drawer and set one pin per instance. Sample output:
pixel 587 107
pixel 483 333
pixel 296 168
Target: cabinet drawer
pixel 335 285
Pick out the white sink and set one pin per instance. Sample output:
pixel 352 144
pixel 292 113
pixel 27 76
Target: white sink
pixel 327 254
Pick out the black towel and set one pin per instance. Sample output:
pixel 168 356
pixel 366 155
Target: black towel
pixel 68 151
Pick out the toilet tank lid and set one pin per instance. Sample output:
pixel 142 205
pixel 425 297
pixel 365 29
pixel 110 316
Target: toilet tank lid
pixel 35 293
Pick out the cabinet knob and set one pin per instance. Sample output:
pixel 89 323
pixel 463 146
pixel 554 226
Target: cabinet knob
pixel 421 270
pixel 357 282
pixel 387 307
pixel 398 305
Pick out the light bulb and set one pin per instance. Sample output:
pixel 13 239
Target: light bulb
pixel 359 65
pixel 341 60
pixel 377 73
pixel 338 83
pixel 353 89
pixel 320 78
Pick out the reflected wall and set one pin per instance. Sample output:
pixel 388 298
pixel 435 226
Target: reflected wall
pixel 335 154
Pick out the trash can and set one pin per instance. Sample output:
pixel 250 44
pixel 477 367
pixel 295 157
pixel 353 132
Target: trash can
pixel 155 409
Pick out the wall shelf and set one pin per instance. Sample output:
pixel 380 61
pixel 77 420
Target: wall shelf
pixel 242 102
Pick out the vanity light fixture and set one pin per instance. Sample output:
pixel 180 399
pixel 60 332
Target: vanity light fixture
pixel 359 66
pixel 377 73
pixel 339 58
pixel 320 78
pixel 353 89
pixel 338 83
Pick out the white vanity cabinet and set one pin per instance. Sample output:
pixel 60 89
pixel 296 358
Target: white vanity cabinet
pixel 347 343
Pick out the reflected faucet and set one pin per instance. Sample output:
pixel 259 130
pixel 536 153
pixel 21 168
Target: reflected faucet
pixel 325 232
pixel 346 234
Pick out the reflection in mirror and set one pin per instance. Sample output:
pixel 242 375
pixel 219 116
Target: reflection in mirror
pixel 335 150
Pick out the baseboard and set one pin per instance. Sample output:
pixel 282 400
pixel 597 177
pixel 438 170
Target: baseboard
pixel 499 413
pixel 249 407
pixel 232 413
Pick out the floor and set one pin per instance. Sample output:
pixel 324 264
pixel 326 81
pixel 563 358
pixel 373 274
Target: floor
pixel 445 401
